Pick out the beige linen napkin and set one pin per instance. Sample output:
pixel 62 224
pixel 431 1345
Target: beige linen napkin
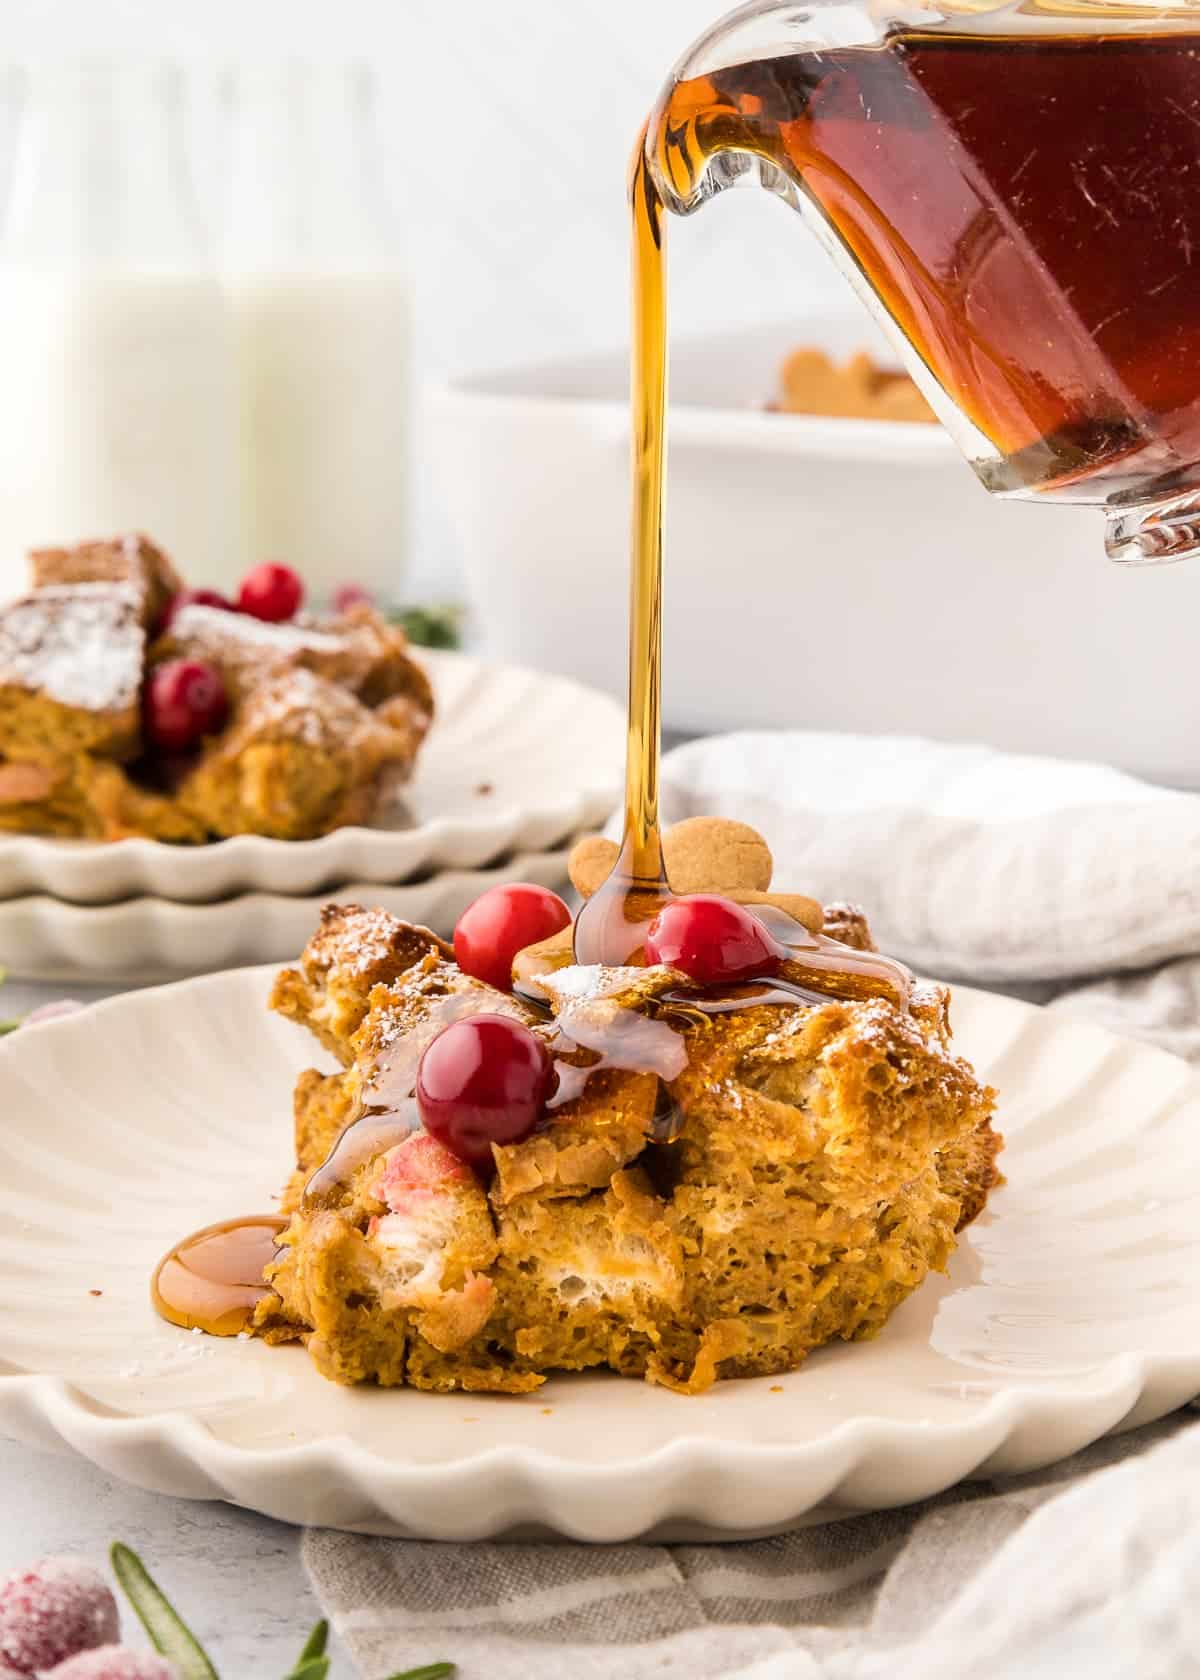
pixel 1062 881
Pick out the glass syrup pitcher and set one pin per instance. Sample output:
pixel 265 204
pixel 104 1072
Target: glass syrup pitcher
pixel 1014 190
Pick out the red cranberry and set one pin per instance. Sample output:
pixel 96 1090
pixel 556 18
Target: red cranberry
pixel 712 940
pixel 503 921
pixel 193 598
pixel 483 1080
pixel 271 592
pixel 185 701
pixel 349 595
pixel 52 1610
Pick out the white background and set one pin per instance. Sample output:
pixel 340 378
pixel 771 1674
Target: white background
pixel 507 125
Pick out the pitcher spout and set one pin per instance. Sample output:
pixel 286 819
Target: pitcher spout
pixel 693 154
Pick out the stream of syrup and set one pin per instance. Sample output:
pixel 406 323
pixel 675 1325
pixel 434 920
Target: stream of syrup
pixel 611 926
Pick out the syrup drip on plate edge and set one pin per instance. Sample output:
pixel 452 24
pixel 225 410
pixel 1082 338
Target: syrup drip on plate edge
pixel 212 1281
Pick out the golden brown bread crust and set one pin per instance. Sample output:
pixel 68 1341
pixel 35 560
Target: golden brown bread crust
pixel 38 799
pixel 301 757
pixel 131 559
pixel 848 923
pixel 93 798
pixel 70 673
pixel 968 1171
pixel 323 1105
pixel 790 1182
pixel 391 673
pixel 353 951
pixel 326 718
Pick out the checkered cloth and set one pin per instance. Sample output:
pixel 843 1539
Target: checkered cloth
pixel 1070 883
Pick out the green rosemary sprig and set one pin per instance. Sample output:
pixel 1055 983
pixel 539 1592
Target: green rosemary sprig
pixel 312 1664
pixel 169 1633
pixel 318 1639
pixel 432 626
pixel 173 1639
pixel 316 1668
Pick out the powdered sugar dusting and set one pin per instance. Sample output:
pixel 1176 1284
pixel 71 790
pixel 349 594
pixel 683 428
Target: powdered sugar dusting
pixel 299 705
pixel 294 704
pixel 250 651
pixel 79 644
pixel 367 940
pixel 218 629
pixel 582 982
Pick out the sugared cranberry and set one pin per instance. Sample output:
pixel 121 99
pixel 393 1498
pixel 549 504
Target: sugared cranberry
pixel 185 701
pixel 501 922
pixel 349 595
pixel 482 1081
pixel 271 592
pixel 193 598
pixel 712 940
pixel 52 1011
pixel 113 1662
pixel 52 1610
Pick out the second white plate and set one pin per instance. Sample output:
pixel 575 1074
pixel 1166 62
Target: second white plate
pixel 515 761
pixel 146 939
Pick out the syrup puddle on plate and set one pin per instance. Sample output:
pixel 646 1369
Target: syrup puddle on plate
pixel 213 1280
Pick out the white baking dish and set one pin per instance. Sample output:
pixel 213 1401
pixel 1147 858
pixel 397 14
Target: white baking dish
pixel 838 574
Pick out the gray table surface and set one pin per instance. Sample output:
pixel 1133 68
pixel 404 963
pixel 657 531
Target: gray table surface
pixel 237 1578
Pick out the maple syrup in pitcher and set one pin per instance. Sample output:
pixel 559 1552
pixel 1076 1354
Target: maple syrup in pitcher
pixel 1025 207
pixel 1016 193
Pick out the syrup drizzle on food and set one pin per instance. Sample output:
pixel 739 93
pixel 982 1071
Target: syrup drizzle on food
pixel 593 1031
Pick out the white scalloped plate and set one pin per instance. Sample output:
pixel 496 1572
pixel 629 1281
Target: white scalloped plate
pixel 1072 1308
pixel 516 761
pixel 145 939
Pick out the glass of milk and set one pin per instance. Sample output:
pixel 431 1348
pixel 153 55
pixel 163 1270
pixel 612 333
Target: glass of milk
pixel 116 340
pixel 321 306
